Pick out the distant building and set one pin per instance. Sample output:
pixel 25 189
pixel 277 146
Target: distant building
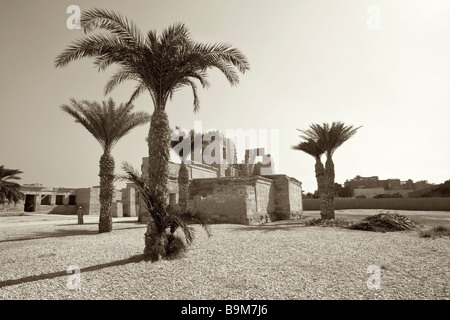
pixel 370 187
pixel 42 199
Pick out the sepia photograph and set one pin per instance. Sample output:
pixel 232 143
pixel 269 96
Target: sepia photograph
pixel 225 158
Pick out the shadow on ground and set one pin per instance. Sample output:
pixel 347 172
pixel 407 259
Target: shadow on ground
pixel 276 226
pixel 67 232
pixel 133 259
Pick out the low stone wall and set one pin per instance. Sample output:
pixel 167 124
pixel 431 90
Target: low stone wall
pixel 243 200
pixel 224 200
pixel 287 197
pixel 419 204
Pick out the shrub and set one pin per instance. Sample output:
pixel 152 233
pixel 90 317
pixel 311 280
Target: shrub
pixel 436 231
pixel 338 222
pixel 174 247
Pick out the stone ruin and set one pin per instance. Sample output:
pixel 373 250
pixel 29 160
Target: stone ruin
pixel 246 193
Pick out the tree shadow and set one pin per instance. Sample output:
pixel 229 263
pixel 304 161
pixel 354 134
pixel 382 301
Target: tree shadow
pixel 132 259
pixel 283 226
pixel 61 233
pixel 53 234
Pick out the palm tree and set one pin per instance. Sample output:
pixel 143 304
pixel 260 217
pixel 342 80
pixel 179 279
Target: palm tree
pixel 108 124
pixel 10 191
pixel 160 239
pixel 160 65
pixel 327 139
pixel 311 147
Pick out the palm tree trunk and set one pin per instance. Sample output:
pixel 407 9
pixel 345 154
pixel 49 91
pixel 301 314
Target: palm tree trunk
pixel 158 173
pixel 183 186
pixel 106 191
pixel 329 188
pixel 320 172
pixel 158 151
pixel 155 241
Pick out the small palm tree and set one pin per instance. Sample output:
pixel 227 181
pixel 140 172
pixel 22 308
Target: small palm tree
pixel 160 65
pixel 326 139
pixel 160 240
pixel 108 124
pixel 10 191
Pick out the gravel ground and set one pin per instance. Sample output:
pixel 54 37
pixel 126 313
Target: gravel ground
pixel 281 261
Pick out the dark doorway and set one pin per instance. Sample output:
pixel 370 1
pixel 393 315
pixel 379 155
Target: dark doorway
pixel 59 200
pixel 72 200
pixel 29 203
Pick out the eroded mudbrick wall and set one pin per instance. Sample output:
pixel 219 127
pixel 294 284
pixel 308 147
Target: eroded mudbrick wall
pixel 243 200
pixel 221 199
pixel 287 196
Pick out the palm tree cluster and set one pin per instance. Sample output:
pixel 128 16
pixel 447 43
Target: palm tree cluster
pixel 319 140
pixel 9 190
pixel 160 65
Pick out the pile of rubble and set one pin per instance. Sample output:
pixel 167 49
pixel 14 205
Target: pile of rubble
pixel 383 222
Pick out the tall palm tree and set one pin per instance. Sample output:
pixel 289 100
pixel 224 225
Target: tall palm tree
pixel 108 124
pixel 160 65
pixel 328 138
pixel 10 191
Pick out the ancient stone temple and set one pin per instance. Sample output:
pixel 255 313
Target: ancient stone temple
pixel 249 193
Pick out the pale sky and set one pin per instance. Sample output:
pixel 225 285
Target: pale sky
pixel 311 62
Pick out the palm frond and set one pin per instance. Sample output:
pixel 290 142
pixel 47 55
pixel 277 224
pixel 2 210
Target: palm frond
pixel 106 122
pixel 10 191
pixel 113 22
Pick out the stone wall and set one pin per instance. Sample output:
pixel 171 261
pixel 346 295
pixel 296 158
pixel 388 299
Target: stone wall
pixel 244 200
pixel 129 201
pixel 265 200
pixel 222 199
pixel 419 204
pixel 88 199
pixel 231 199
pixel 295 198
pixel 288 197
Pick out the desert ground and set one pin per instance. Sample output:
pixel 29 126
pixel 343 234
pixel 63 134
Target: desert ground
pixel 283 260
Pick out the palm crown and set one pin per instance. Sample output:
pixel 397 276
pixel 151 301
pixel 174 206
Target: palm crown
pixel 327 138
pixel 160 65
pixel 104 121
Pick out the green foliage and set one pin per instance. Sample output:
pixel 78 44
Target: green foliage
pixel 10 191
